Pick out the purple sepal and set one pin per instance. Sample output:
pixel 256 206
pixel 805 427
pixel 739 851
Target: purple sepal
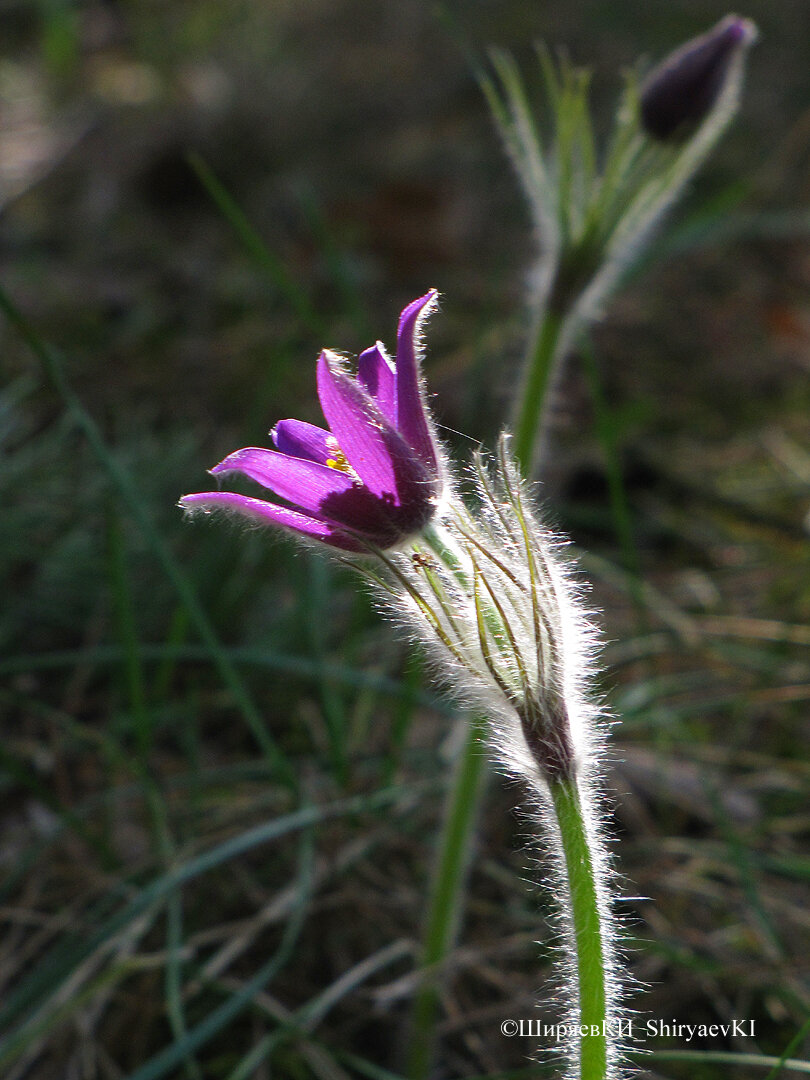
pixel 304 483
pixel 412 421
pixel 299 439
pixel 378 375
pixel 374 449
pixel 266 513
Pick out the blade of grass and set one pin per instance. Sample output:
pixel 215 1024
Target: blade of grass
pixel 134 678
pixel 320 1064
pixel 368 1068
pixel 307 1018
pixel 793 867
pixel 173 982
pixel 785 1061
pixel 123 484
pixel 744 860
pixel 84 989
pixel 121 590
pixel 351 298
pixel 270 264
pixel 719 1057
pixel 178 631
pixel 318 601
pixel 403 717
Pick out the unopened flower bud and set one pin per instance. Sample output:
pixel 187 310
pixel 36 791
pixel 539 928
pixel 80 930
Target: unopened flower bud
pixel 683 89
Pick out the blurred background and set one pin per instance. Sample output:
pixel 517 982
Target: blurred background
pixel 195 198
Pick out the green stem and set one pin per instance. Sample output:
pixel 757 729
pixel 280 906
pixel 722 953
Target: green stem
pixel 588 930
pixel 532 405
pixel 444 910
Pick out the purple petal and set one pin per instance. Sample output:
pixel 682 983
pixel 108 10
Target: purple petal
pixel 301 440
pixel 372 447
pixel 265 513
pixel 412 421
pixel 304 483
pixel 377 374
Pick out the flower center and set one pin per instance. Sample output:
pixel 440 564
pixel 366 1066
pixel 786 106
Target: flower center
pixel 337 459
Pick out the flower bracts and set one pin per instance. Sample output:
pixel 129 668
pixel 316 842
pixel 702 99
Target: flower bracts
pixel 486 590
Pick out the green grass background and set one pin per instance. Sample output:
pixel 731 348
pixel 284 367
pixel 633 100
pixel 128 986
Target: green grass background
pixel 221 774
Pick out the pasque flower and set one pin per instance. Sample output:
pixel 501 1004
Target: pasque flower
pixel 374 479
pixel 682 90
pixel 483 587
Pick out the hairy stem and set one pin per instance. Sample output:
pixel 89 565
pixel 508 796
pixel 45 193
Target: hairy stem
pixel 589 937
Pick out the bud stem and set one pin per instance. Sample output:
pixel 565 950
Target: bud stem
pixel 533 401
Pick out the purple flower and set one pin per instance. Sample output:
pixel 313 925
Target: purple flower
pixel 374 478
pixel 682 90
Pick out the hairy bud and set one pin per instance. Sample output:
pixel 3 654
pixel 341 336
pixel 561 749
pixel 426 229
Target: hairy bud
pixel 491 596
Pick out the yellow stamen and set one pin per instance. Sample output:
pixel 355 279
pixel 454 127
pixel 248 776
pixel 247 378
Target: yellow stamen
pixel 338 459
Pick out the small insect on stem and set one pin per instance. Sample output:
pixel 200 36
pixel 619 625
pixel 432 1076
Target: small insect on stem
pixel 423 560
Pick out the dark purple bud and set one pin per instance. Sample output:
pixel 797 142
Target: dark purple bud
pixel 682 90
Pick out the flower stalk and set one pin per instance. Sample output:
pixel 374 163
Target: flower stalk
pixel 589 932
pixel 532 404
